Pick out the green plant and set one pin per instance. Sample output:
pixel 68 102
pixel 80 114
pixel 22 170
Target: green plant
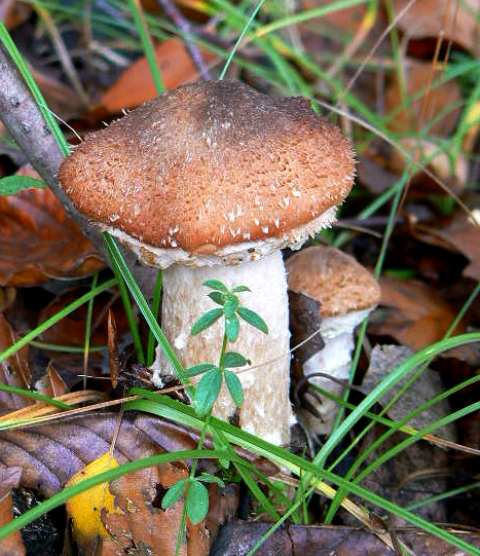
pixel 232 311
pixel 209 387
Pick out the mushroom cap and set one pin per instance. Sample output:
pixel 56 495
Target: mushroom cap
pixel 210 165
pixel 336 280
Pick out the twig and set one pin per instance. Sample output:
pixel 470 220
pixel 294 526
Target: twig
pixel 23 120
pixel 184 25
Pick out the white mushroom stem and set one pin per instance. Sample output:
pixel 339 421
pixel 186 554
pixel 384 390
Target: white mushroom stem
pixel 266 411
pixel 335 360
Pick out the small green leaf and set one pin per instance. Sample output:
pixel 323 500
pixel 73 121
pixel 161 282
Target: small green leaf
pixel 207 391
pixel 253 319
pixel 234 387
pixel 240 289
pixel 231 305
pixel 234 359
pixel 208 478
pixel 173 494
pixel 232 328
pixel 14 184
pixel 197 502
pixel 200 369
pixel 217 297
pixel 206 320
pixel 216 285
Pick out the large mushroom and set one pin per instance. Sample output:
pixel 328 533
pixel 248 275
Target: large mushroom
pixel 332 293
pixel 211 180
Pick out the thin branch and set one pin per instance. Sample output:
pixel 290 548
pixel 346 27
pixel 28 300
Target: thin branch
pixel 24 121
pixel 184 25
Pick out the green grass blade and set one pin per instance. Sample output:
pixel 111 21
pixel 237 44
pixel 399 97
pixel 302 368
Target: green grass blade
pixel 157 297
pixel 33 396
pixel 19 61
pixel 240 38
pixel 70 308
pixel 147 44
pixel 171 409
pixel 121 267
pixel 386 384
pixel 129 311
pixel 61 497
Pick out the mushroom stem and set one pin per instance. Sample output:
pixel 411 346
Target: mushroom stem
pixel 335 360
pixel 266 410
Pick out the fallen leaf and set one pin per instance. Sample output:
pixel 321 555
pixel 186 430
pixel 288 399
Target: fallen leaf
pixel 38 241
pixel 14 371
pixel 464 235
pixel 426 102
pixel 85 509
pixel 416 315
pixel 135 85
pixel 113 355
pixel 346 19
pixel 70 330
pixel 50 454
pixel 430 19
pixel 461 234
pixel 9 479
pixel 138 521
pixel 237 538
pixel 61 99
pixel 7 298
pixel 51 384
pixel 14 13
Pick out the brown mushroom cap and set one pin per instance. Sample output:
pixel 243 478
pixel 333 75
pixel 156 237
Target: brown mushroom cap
pixel 337 281
pixel 209 165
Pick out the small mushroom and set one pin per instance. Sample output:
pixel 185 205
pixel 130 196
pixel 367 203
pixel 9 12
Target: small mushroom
pixel 211 180
pixel 330 292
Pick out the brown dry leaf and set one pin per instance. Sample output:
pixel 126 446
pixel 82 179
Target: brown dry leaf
pixel 14 13
pixel 427 102
pixel 142 524
pixel 237 538
pixel 61 99
pixel 461 234
pixel 113 355
pixel 7 297
pixel 38 241
pixel 135 85
pixel 434 158
pixel 15 371
pixel 9 479
pixel 51 454
pixel 464 235
pixel 416 316
pixel 51 384
pixel 70 330
pixel 347 19
pixel 428 19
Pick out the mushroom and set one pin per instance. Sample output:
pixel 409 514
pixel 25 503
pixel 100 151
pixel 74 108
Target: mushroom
pixel 332 293
pixel 211 180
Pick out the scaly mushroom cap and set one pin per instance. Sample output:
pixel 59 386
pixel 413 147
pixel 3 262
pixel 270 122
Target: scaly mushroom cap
pixel 337 281
pixel 211 165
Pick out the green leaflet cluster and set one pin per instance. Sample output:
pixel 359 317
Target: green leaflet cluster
pixel 208 388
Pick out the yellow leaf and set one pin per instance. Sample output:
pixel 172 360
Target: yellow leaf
pixel 85 508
